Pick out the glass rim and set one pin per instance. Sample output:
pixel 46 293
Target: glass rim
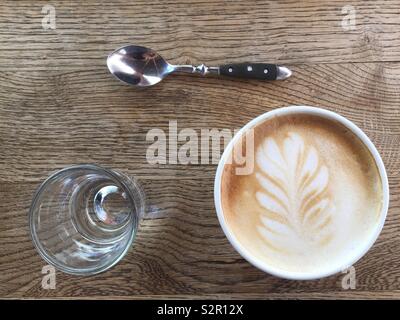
pixel 42 252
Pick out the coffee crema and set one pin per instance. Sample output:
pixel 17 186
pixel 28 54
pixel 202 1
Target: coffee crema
pixel 314 196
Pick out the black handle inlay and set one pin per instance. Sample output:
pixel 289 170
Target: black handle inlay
pixel 260 71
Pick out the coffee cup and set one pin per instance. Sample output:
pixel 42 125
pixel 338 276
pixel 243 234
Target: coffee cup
pixel 311 197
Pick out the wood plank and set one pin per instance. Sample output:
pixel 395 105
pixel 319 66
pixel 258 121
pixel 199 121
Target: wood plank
pixel 81 118
pixel 175 250
pixel 198 31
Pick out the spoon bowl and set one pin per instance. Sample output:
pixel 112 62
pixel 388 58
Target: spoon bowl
pixel 138 66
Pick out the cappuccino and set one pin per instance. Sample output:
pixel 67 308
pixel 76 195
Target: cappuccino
pixel 313 199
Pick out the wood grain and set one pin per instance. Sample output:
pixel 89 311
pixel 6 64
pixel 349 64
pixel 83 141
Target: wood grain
pixel 59 106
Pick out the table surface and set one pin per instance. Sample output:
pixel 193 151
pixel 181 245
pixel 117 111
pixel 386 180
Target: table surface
pixel 59 106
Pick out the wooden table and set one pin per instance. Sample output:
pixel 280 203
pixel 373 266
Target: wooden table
pixel 59 106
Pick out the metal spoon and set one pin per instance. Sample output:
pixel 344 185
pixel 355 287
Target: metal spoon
pixel 140 66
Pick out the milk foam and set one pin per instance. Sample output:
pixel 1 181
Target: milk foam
pixel 294 192
pixel 314 196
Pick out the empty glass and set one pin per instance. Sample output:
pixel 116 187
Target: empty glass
pixel 83 219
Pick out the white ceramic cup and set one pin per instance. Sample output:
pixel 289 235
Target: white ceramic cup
pixel 363 247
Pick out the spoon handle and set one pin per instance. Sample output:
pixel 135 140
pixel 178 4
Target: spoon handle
pixel 260 71
pixel 201 69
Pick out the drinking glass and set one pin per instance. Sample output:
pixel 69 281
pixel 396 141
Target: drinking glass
pixel 84 218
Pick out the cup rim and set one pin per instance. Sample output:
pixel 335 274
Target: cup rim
pixel 42 251
pixel 291 275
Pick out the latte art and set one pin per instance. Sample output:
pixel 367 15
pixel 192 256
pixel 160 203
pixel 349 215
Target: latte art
pixel 294 193
pixel 314 196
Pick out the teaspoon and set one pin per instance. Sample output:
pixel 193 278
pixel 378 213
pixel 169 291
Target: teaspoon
pixel 141 66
